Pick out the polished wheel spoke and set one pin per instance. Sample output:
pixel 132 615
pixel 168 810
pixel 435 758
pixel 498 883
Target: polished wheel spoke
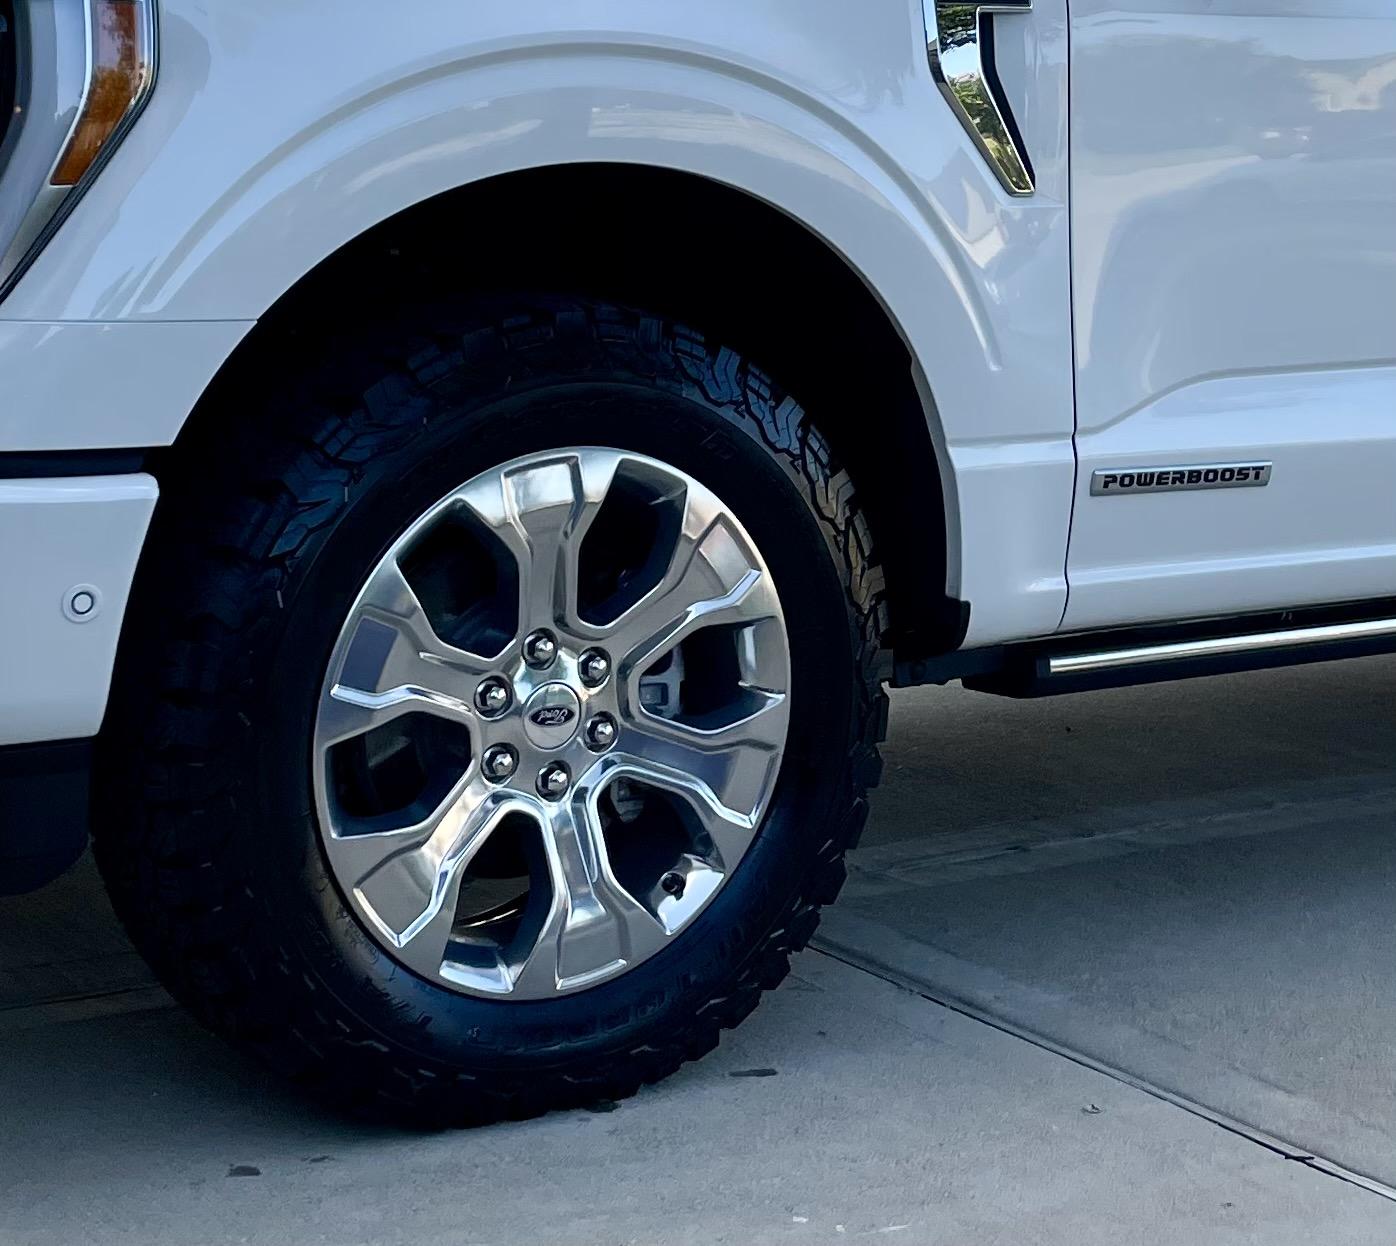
pixel 407 879
pixel 541 511
pixel 736 762
pixel 712 581
pixel 348 712
pixel 595 927
pixel 394 664
pixel 723 793
pixel 762 724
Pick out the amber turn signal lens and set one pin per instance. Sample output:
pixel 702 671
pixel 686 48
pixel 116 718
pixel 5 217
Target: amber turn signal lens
pixel 121 68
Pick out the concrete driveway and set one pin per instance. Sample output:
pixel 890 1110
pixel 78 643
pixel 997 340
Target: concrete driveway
pixel 1114 968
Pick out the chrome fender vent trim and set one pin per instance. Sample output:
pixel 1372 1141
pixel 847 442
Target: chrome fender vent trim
pixel 956 46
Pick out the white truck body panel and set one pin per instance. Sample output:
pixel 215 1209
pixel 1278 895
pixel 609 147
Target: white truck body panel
pixel 82 384
pixel 58 536
pixel 1234 271
pixel 277 133
pixel 1233 259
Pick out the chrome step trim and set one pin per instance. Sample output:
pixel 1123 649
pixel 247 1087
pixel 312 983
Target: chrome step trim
pixel 1178 651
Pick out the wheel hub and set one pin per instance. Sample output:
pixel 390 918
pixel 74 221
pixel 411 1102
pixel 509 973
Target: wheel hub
pixel 551 716
pixel 552 723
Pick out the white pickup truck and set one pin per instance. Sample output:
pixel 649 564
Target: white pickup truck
pixel 468 471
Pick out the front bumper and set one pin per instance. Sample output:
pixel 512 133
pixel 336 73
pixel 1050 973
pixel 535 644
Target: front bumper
pixel 68 553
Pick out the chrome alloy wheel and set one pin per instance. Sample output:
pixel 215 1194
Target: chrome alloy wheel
pixel 551 723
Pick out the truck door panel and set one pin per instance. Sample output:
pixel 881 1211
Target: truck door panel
pixel 1234 274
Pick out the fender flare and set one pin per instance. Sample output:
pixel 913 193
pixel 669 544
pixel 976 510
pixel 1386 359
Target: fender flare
pixel 164 237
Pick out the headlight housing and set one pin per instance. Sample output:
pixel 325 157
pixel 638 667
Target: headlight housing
pixel 83 70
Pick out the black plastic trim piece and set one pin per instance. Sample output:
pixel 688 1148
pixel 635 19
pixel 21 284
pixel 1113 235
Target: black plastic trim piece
pixel 46 464
pixel 919 654
pixel 43 811
pixel 944 668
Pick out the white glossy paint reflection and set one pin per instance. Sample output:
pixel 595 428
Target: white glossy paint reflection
pixel 76 385
pixel 1234 263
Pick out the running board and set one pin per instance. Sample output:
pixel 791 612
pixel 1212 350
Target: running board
pixel 1153 655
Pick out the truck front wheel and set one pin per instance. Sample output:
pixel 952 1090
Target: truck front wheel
pixel 496 712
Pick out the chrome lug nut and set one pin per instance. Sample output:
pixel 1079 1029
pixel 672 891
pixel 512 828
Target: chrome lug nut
pixel 601 732
pixel 553 780
pixel 594 668
pixel 499 762
pixel 540 649
pixel 493 695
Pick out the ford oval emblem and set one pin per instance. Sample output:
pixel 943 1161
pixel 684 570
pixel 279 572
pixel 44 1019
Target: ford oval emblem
pixel 553 715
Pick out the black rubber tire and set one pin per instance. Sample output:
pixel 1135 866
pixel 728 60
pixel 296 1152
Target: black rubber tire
pixel 205 829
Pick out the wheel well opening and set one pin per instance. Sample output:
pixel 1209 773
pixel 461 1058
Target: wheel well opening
pixel 683 246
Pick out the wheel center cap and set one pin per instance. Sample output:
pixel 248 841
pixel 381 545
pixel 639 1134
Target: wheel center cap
pixel 551 715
